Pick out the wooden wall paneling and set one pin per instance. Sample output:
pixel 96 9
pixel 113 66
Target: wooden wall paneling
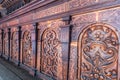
pixel 14 47
pixel 27 56
pixel 106 65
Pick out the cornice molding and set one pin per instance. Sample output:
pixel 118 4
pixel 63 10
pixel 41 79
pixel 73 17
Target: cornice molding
pixel 25 9
pixel 35 5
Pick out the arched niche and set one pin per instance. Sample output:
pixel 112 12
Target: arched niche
pixel 6 44
pixel 27 49
pixel 14 46
pixel 49 59
pixel 98 53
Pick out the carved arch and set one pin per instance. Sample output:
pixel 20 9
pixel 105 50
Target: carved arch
pixel 98 53
pixel 5 44
pixel 49 61
pixel 14 46
pixel 27 49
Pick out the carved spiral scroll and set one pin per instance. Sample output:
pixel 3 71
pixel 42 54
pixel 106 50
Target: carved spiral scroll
pixel 27 49
pixel 50 53
pixel 14 54
pixel 99 53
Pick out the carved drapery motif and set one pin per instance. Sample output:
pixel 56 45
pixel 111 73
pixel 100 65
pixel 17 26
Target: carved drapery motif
pixel 14 54
pixel 6 44
pixel 50 43
pixel 27 49
pixel 98 53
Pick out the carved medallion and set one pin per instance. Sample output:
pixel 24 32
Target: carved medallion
pixel 99 53
pixel 27 49
pixel 50 53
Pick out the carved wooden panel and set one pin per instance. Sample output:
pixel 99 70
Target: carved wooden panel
pixel 98 53
pixel 0 43
pixel 14 54
pixel 6 44
pixel 50 43
pixel 27 49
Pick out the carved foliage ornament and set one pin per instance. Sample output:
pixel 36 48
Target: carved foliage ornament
pixel 50 53
pixel 15 49
pixel 99 53
pixel 27 49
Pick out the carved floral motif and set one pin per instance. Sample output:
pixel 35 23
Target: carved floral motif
pixel 99 51
pixel 50 53
pixel 27 49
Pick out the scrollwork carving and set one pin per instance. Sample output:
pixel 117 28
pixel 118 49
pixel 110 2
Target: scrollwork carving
pixel 27 49
pixel 14 54
pixel 6 44
pixel 50 52
pixel 99 53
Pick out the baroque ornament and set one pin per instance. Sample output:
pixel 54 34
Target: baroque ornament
pixel 99 53
pixel 27 49
pixel 50 53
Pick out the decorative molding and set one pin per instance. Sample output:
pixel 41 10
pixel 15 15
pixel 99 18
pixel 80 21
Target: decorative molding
pixel 25 9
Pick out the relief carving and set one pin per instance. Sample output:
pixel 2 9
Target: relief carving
pixel 27 49
pixel 6 44
pixel 50 43
pixel 99 53
pixel 15 49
